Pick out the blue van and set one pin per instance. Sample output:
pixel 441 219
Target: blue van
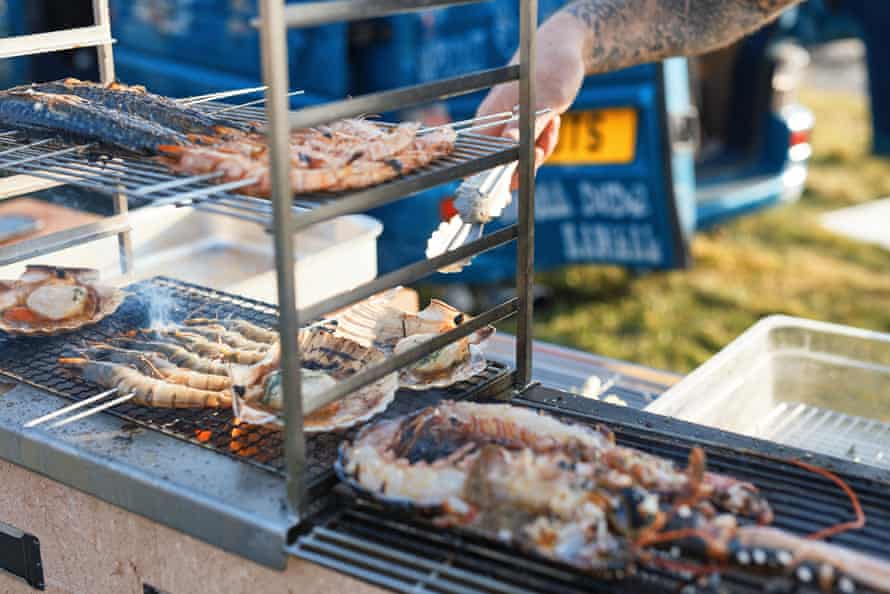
pixel 646 157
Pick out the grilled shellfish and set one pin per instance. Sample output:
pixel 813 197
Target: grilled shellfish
pixel 48 300
pixel 326 359
pixel 569 493
pixel 378 323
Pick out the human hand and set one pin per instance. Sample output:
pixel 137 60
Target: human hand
pixel 559 72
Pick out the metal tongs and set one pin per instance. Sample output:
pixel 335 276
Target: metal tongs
pixel 479 200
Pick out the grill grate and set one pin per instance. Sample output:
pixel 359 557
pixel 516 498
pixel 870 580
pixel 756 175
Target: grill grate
pixel 33 361
pixel 94 168
pixel 406 554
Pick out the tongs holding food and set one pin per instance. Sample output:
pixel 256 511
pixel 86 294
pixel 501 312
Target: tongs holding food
pixel 479 200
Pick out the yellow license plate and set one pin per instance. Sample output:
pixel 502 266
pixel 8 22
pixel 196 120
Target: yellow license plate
pixel 601 136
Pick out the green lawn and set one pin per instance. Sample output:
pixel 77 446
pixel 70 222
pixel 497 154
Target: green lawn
pixel 777 261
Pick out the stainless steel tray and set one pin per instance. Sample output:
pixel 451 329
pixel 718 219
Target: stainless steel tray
pixel 817 386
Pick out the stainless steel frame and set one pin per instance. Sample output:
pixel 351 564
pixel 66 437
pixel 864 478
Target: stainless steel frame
pixel 227 520
pixel 274 19
pixel 99 36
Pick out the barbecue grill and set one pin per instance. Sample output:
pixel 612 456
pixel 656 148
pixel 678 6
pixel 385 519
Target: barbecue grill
pixel 248 490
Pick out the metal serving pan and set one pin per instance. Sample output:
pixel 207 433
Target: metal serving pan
pixel 812 385
pixel 232 255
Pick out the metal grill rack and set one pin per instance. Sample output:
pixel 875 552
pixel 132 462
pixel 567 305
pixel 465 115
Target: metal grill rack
pixel 273 22
pixel 88 166
pixel 57 162
pixel 409 555
pixel 34 361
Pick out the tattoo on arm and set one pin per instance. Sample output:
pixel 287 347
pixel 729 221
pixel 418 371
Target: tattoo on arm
pixel 624 33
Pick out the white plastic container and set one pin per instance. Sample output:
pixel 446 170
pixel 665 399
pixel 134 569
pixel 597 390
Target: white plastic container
pixel 817 386
pixel 226 254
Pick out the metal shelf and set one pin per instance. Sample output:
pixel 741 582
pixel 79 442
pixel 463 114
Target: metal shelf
pixel 387 101
pixel 274 20
pixel 322 13
pixel 48 244
pixel 86 165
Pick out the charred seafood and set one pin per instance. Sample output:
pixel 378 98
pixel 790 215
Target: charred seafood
pixel 137 102
pixel 326 160
pixel 569 493
pixel 80 119
pixel 48 300
pixel 326 359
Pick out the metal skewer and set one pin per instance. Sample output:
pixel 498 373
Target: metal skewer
pixel 468 121
pixel 481 122
pixel 219 95
pixel 69 408
pixel 93 411
pixel 249 103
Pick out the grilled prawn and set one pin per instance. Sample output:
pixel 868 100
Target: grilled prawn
pixel 175 353
pixel 156 366
pixel 200 345
pixel 246 329
pixel 147 390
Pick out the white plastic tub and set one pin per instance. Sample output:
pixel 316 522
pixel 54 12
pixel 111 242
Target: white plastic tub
pixel 226 254
pixel 818 386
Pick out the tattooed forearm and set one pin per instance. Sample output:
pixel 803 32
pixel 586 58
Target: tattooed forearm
pixel 623 33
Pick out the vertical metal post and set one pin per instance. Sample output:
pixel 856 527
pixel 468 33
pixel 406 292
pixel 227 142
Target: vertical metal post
pixel 124 240
pixel 525 252
pixel 106 56
pixel 273 39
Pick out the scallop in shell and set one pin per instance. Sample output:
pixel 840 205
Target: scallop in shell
pixel 456 362
pixel 47 300
pixel 379 323
pixel 326 359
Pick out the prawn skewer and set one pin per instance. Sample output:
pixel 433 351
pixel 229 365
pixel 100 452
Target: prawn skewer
pixel 219 333
pixel 156 366
pixel 243 327
pixel 208 348
pixel 176 354
pixel 148 391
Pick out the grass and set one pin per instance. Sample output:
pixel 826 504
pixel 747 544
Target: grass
pixel 777 261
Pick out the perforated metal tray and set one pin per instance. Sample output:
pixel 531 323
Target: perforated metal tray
pixel 817 386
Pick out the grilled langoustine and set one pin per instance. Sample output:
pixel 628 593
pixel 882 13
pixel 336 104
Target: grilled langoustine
pixel 568 493
pixel 49 300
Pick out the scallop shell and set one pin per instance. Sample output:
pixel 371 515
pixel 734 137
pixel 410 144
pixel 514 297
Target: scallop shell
pixel 378 323
pixel 109 298
pixel 474 364
pixel 337 355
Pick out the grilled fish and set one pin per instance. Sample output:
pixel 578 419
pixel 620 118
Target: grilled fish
pixel 136 101
pixel 76 117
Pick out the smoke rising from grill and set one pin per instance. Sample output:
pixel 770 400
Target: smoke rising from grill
pixel 160 306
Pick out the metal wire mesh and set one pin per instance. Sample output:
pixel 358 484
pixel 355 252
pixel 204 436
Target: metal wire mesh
pixel 34 361
pixel 110 172
pixel 409 554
